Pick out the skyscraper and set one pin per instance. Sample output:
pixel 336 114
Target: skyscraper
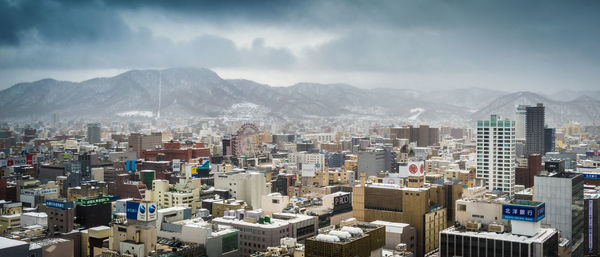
pixel 496 154
pixel 563 194
pixel 549 140
pixel 93 133
pixel 534 129
pixel 520 121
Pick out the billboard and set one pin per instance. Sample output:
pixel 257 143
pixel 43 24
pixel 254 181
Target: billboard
pixel 412 169
pixel 93 201
pixel 204 163
pixel 591 176
pixel 55 204
pixel 30 159
pixel 523 212
pixel 130 165
pixel 176 165
pixel 142 211
pixel 131 210
pixel 194 172
pixel 341 200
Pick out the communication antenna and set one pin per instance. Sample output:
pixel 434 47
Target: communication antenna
pixel 159 93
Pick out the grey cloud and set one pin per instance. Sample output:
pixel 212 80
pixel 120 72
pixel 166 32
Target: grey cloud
pixel 560 38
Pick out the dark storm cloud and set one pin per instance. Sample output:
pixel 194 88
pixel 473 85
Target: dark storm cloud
pixel 559 38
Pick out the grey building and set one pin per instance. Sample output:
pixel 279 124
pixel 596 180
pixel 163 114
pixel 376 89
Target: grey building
pixel 563 194
pixel 460 242
pixel 534 129
pixel 374 161
pixel 11 247
pixel 549 140
pixel 93 133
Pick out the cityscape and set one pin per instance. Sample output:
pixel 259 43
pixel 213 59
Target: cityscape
pixel 299 128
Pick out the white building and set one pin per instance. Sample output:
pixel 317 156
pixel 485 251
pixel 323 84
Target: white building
pixel 316 160
pixel 34 218
pixel 496 154
pixel 248 186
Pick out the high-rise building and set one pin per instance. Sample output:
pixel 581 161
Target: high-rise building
pixel 496 154
pixel 423 135
pixel 563 194
pixel 549 140
pixel 520 121
pixel 138 142
pixel 534 129
pixel 93 133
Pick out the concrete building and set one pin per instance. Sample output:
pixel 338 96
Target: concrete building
pixel 460 242
pixel 257 232
pixel 424 208
pixel 398 233
pixel 496 154
pixel 360 239
pixel 374 161
pixel 482 227
pixel 34 218
pixel 176 223
pixel 479 210
pixel 139 142
pixel 534 129
pixel 248 186
pixel 520 122
pixel 525 175
pixel 11 247
pixel 61 216
pixel 93 133
pixel 187 195
pixel 137 235
pixel 563 195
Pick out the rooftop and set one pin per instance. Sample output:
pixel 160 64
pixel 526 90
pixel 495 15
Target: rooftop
pixel 539 237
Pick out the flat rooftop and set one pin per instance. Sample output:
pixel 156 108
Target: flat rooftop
pixel 539 237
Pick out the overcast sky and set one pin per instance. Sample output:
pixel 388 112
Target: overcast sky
pixel 506 45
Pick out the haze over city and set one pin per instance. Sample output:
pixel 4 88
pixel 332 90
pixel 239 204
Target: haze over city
pixel 299 128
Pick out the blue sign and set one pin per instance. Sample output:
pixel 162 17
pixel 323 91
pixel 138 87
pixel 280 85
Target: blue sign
pixel 130 165
pixel 591 176
pixel 523 212
pixel 55 204
pixel 132 210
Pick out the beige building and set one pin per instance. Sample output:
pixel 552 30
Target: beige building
pixel 187 192
pixel 425 208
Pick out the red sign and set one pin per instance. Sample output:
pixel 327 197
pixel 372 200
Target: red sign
pixel 422 168
pixel 413 168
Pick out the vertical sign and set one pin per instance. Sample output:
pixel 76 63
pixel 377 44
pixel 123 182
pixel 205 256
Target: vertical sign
pixel 176 165
pixel 130 165
pixel 194 172
pixel 591 225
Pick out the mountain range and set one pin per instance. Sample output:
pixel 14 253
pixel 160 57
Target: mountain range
pixel 201 92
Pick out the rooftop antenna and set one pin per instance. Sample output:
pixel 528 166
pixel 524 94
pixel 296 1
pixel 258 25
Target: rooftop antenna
pixel 159 93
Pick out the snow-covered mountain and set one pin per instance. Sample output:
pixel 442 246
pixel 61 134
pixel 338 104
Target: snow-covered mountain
pixel 202 93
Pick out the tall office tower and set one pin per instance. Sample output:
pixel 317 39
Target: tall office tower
pixel 520 121
pixel 563 194
pixel 534 129
pixel 496 154
pixel 549 140
pixel 93 133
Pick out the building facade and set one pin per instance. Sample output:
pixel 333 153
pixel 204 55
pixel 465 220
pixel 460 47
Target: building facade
pixel 496 154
